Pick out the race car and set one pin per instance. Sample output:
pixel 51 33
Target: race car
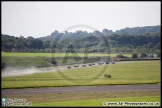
pixel 69 67
pixel 84 65
pixel 76 65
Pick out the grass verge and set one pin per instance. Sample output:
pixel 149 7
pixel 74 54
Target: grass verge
pixel 90 98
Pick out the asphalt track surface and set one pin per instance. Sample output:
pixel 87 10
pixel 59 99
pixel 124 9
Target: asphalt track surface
pixel 109 88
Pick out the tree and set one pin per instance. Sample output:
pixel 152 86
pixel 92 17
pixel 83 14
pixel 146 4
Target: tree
pixel 55 33
pixel 150 55
pixel 134 55
pixel 150 45
pixel 97 33
pixel 47 50
pixel 46 44
pixel 30 38
pixel 105 32
pixel 142 55
pixel 129 46
pixel 120 56
pixel 158 46
pixel 39 43
pixel 159 54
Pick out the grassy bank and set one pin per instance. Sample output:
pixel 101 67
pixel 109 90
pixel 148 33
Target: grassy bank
pixel 39 61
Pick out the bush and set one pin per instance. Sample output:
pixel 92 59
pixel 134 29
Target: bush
pixel 134 55
pixel 142 55
pixel 150 55
pixel 158 54
pixel 120 56
pixel 107 76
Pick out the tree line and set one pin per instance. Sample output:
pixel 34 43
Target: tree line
pixel 148 42
pixel 105 32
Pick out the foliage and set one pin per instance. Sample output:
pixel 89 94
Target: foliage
pixel 150 55
pixel 107 76
pixel 105 32
pixel 120 56
pixel 142 55
pixel 159 54
pixel 134 55
pixel 89 43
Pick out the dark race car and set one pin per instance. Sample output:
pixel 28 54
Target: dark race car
pixel 112 62
pixel 84 65
pixel 90 64
pixel 69 67
pixel 93 63
pixel 107 63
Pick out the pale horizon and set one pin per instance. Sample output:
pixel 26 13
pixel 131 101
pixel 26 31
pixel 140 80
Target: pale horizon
pixel 38 19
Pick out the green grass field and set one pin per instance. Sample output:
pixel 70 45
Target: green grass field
pixel 139 72
pixel 45 59
pixel 57 54
pixel 110 102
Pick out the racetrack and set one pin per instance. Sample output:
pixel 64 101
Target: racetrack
pixel 108 88
pixel 71 89
pixel 19 72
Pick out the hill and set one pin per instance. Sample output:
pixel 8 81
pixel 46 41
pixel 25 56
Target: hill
pixel 105 32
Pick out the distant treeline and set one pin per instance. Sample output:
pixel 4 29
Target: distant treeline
pixel 105 32
pixel 148 42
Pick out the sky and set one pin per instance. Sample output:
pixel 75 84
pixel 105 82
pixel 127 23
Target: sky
pixel 38 19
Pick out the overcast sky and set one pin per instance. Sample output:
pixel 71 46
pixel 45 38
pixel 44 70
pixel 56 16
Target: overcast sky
pixel 39 19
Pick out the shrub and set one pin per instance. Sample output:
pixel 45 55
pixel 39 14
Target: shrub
pixel 150 55
pixel 158 54
pixel 134 55
pixel 142 55
pixel 107 76
pixel 120 56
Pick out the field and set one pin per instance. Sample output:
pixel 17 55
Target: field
pixel 45 59
pixel 113 101
pixel 57 54
pixel 137 72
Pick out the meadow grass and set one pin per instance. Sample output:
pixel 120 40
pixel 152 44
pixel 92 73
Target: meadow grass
pixel 109 102
pixel 144 72
pixel 58 54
